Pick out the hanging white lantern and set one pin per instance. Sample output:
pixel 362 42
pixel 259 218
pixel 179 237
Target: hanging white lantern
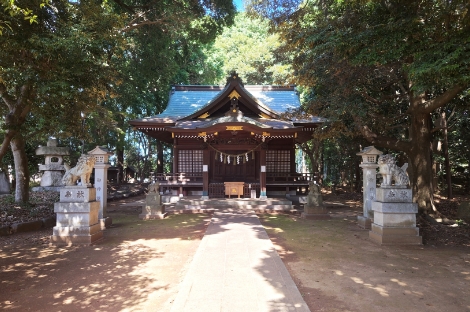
pixel 228 159
pixel 238 160
pixel 246 156
pixel 221 157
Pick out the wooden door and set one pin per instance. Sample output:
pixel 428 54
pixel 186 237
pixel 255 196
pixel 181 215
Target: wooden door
pixel 242 172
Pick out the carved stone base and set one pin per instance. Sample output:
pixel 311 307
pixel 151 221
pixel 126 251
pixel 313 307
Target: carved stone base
pixel 364 222
pixel 316 216
pixel 152 212
pixel 395 219
pixel 77 194
pixel 315 213
pixel 395 236
pixel 394 194
pixel 77 223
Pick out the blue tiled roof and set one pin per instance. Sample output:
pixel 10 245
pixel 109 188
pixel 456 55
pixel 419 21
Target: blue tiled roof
pixel 277 101
pixel 184 103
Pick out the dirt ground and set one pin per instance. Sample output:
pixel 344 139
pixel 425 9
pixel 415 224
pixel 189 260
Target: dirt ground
pixel 139 265
pixel 136 267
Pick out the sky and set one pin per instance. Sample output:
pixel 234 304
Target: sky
pixel 238 4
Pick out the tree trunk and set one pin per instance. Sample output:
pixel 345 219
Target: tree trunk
pixel 120 162
pixel 21 168
pixel 420 162
pixel 358 176
pixel 446 158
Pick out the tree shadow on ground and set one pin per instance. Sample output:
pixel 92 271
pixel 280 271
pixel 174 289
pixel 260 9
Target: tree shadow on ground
pixel 333 261
pixel 123 271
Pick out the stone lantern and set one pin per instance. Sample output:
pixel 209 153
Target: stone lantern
pixel 53 165
pixel 369 169
pixel 101 182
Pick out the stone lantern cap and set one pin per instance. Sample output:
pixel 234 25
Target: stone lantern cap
pixel 101 154
pixel 369 155
pixel 52 149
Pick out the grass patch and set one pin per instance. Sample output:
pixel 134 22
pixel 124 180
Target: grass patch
pixel 303 238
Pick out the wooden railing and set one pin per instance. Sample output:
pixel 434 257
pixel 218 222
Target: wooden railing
pixel 178 178
pixel 185 177
pixel 248 187
pixel 216 190
pixel 291 177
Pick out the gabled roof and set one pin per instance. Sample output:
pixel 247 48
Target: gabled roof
pixel 201 107
pixel 193 101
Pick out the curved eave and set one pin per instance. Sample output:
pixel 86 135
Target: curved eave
pixel 224 126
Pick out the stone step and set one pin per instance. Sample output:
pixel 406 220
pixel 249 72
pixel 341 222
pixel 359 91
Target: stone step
pixel 244 207
pixel 244 204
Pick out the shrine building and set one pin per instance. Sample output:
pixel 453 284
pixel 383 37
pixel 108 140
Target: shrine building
pixel 232 133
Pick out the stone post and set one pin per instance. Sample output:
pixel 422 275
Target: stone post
pixel 153 208
pixel 369 185
pixel 101 183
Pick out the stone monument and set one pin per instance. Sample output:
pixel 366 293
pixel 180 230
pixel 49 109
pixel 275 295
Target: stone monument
pixel 153 208
pixel 101 183
pixel 77 211
pixel 369 184
pixel 4 183
pixel 394 212
pixel 314 208
pixel 53 167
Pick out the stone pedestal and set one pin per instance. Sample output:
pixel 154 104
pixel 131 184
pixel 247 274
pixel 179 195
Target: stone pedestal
pixel 77 217
pixel 153 208
pixel 394 217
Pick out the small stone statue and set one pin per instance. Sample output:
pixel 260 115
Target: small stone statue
pixel 390 171
pixel 314 189
pixel 81 171
pixel 154 187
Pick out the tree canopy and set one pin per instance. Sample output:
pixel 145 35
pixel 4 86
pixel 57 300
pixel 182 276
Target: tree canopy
pixel 252 51
pixel 382 68
pixel 78 57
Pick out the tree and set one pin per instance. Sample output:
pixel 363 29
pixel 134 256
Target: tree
pixel 52 70
pixel 387 65
pixel 165 43
pixel 252 51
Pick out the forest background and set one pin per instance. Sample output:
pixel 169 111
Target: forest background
pixel 395 74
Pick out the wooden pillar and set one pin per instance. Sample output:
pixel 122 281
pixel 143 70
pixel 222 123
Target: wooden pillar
pixel 293 168
pixel 175 156
pixel 205 173
pixel 262 174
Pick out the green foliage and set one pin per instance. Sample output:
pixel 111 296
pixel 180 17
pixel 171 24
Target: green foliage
pixel 252 51
pixel 381 69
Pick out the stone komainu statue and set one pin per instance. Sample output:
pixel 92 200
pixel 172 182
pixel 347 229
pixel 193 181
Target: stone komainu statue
pixel 81 171
pixel 390 171
pixel 154 188
pixel 314 189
